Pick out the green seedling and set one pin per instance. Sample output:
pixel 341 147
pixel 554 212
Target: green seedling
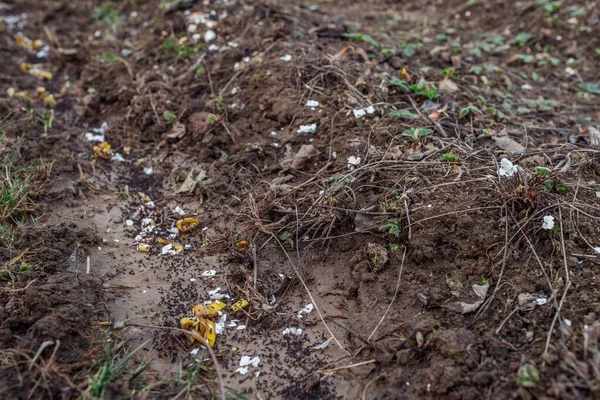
pixel 528 376
pixel 409 49
pixel 399 83
pixel 522 39
pixel 469 110
pixel 108 57
pixel 211 119
pixel 394 247
pixel 542 171
pixel 402 114
pixel 359 37
pixel 417 133
pixel 447 72
pixel 590 87
pixel 169 116
pixel 424 88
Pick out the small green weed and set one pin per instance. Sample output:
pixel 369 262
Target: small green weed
pixel 392 226
pixel 426 89
pixel 450 157
pixel 106 14
pixel 360 37
pixel 180 50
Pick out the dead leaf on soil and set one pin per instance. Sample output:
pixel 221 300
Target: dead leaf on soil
pixel 177 131
pixel 448 86
pixel 509 145
pixel 594 136
pixel 465 308
pixel 303 156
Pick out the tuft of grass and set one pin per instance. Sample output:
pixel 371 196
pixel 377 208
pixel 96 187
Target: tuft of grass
pixel 16 185
pixel 114 367
pixel 180 49
pixel 108 15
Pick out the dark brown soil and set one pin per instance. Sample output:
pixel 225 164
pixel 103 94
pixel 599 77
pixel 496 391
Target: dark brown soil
pixel 388 251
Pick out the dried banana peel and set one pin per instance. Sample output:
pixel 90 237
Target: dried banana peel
pixel 103 150
pixel 187 224
pixel 239 305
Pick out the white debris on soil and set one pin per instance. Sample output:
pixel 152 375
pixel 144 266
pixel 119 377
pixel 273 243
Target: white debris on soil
pixel 548 222
pixel 149 170
pixel 353 162
pixel 220 326
pixel 286 58
pixel 117 158
pixel 597 249
pixel 312 128
pixel 323 345
pixel 210 272
pixel 312 104
pixel 179 210
pixel 305 310
pixel 541 301
pixel 99 133
pixel 241 327
pixel 246 362
pixel 234 91
pixel 507 169
pixel 361 112
pixel 526 87
pixel 292 331
pixel 209 36
pixel 215 295
pixel 213 47
pixel 166 249
pixel 129 222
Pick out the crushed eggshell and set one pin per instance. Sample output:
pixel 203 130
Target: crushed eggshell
pixel 312 128
pixel 507 169
pixel 305 310
pixel 292 331
pixel 353 162
pixel 548 222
